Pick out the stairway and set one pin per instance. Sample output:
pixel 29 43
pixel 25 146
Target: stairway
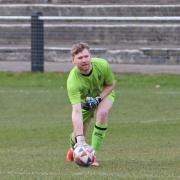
pixel 119 41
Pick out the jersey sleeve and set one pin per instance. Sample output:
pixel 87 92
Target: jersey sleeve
pixel 73 93
pixel 109 76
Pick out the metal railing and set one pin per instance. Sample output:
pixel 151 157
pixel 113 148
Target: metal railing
pixel 97 18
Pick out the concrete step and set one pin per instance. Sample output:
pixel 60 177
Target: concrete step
pixel 143 55
pixel 92 1
pixel 102 34
pixel 119 34
pixel 90 10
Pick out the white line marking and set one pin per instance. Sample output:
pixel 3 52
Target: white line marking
pixel 176 93
pixel 106 174
pixel 30 91
pixel 175 120
pixel 169 93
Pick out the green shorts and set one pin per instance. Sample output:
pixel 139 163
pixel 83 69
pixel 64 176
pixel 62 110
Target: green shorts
pixel 89 114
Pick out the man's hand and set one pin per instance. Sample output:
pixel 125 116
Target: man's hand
pixel 80 140
pixel 91 103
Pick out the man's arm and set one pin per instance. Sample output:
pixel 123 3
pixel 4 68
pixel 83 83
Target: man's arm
pixel 107 90
pixel 77 120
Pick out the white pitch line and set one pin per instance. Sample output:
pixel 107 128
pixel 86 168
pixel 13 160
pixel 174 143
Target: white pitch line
pixel 30 91
pixel 176 93
pixel 152 121
pixel 169 93
pixel 102 174
pixel 153 93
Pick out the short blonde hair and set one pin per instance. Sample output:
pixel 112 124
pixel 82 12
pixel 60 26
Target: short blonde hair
pixel 79 47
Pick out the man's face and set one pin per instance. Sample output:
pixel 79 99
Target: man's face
pixel 83 61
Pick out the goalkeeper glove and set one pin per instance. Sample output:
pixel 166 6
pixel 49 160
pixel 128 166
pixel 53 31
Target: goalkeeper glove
pixel 80 140
pixel 91 103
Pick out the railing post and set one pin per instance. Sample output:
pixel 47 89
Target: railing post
pixel 37 42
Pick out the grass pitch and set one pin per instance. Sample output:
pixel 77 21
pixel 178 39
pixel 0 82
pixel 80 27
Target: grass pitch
pixel 143 139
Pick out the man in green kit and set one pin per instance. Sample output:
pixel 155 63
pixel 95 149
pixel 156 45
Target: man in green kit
pixel 90 87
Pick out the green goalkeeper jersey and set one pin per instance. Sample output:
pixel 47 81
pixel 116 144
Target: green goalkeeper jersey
pixel 80 86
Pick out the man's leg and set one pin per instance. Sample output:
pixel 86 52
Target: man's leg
pixel 100 127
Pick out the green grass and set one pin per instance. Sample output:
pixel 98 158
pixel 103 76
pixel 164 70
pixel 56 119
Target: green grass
pixel 143 133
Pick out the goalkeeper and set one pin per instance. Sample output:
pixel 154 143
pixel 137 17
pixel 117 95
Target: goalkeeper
pixel 90 87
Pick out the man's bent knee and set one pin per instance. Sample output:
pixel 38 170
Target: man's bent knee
pixel 103 111
pixel 102 116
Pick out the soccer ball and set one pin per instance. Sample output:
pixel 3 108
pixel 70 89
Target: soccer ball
pixel 84 155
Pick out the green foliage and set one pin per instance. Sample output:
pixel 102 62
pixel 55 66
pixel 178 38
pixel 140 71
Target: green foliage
pixel 143 132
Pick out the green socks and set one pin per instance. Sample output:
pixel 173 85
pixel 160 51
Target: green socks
pixel 98 135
